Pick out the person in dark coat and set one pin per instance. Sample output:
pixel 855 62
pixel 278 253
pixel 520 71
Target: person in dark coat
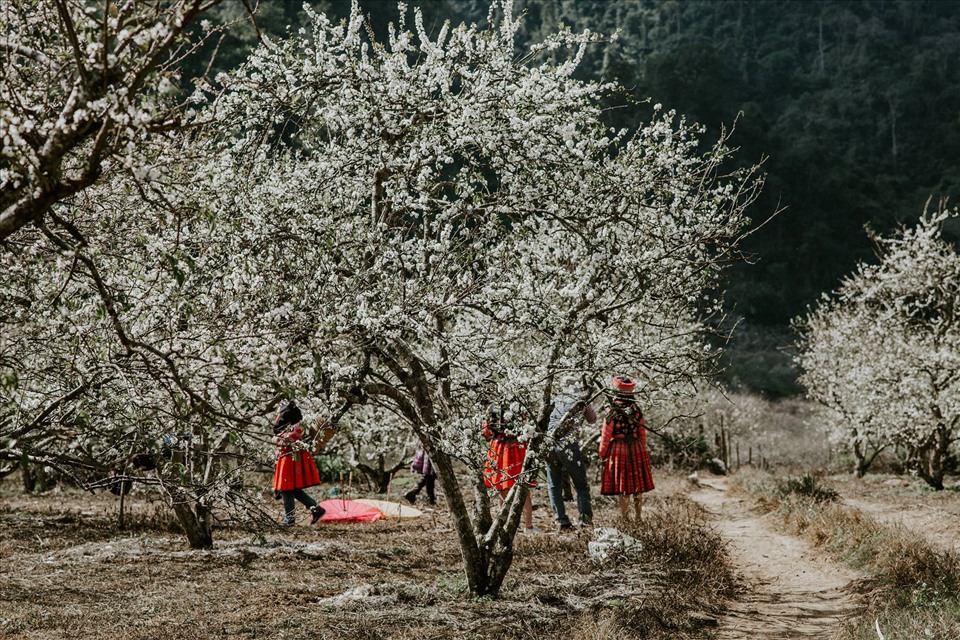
pixel 421 464
pixel 566 459
pixel 295 469
pixel 623 449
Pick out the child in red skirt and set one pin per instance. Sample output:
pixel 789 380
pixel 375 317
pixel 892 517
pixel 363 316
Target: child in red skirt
pixel 505 461
pixel 295 469
pixel 623 448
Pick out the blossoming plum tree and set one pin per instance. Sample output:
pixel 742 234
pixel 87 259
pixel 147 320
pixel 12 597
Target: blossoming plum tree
pixel 440 227
pixel 115 344
pixel 376 443
pixel 422 226
pixel 884 350
pixel 91 114
pixel 83 85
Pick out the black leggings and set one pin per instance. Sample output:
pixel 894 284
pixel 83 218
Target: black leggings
pixel 289 504
pixel 430 482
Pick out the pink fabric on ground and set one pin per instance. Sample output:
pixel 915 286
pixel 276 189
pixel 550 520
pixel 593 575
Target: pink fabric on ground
pixel 349 511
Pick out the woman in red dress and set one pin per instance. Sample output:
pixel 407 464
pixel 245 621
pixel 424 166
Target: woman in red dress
pixel 295 469
pixel 623 448
pixel 505 461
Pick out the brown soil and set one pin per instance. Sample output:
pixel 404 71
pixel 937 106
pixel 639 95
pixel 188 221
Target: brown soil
pixel 907 502
pixel 66 571
pixel 789 591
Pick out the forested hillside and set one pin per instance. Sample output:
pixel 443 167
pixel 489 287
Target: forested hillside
pixel 854 105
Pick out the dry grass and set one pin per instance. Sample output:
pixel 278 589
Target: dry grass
pixel 67 572
pixel 912 586
pixel 695 576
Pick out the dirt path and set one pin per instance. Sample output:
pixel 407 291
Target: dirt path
pixel 791 591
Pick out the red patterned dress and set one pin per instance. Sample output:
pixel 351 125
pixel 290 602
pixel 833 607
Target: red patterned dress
pixel 295 468
pixel 623 448
pixel 504 457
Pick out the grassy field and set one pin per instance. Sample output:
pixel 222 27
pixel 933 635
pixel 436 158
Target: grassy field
pixel 68 572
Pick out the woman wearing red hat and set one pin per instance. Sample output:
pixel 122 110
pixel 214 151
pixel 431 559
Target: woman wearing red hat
pixel 296 469
pixel 623 448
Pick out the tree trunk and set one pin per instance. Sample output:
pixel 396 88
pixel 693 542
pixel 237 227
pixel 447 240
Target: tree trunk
pixel 475 559
pixel 862 464
pixel 486 558
pixel 380 477
pixel 26 474
pixel 486 544
pixel 931 458
pixel 195 520
pixel 864 461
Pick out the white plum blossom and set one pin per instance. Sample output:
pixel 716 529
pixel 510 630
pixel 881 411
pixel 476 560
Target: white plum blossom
pixel 78 92
pixel 883 351
pixel 397 234
pixel 454 229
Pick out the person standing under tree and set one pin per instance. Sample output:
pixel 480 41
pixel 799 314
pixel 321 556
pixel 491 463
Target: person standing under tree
pixel 421 464
pixel 567 457
pixel 505 461
pixel 623 448
pixel 295 469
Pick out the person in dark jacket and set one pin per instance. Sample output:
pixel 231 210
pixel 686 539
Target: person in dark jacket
pixel 566 459
pixel 421 464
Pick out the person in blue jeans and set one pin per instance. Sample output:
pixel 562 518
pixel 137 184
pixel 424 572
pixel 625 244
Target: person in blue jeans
pixel 567 457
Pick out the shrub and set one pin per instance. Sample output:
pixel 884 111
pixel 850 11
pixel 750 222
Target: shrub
pixel 807 486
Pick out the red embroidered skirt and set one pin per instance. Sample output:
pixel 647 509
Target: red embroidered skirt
pixel 504 463
pixel 626 470
pixel 295 470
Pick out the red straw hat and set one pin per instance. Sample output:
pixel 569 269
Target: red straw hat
pixel 624 384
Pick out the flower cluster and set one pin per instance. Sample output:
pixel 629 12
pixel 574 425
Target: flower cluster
pixel 884 351
pixel 84 87
pixel 398 234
